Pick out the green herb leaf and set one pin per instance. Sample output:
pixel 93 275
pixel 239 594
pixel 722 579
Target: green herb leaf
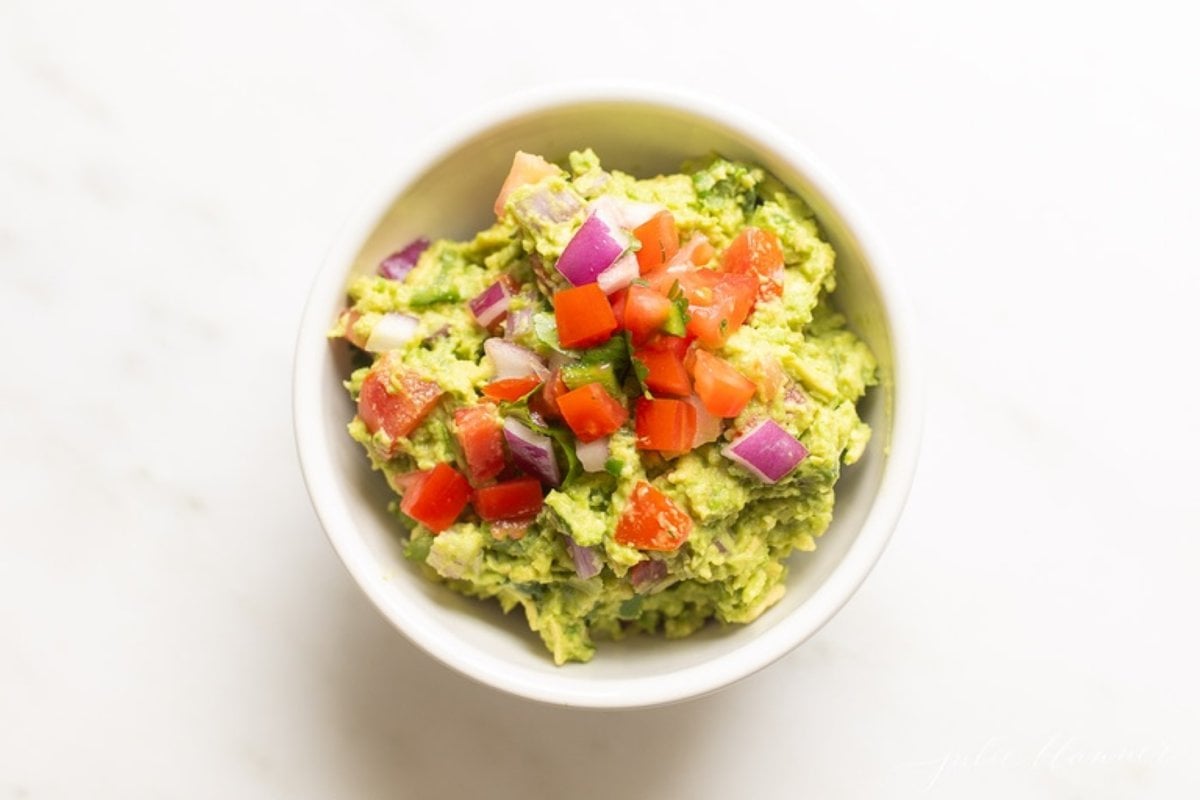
pixel 678 317
pixel 545 330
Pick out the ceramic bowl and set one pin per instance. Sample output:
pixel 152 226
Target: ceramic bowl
pixel 446 190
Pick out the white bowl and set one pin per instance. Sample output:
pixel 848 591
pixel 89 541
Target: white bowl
pixel 447 190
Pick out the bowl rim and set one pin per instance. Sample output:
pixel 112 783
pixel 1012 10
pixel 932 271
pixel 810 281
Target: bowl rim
pixel 570 689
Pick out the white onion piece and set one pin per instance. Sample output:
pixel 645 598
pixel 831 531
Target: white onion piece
pixel 532 452
pixel 593 455
pixel 514 361
pixel 620 212
pixel 559 360
pixel 623 272
pixel 708 426
pixel 391 332
pixel 767 450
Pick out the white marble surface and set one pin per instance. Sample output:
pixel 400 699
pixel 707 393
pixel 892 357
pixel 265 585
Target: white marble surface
pixel 174 623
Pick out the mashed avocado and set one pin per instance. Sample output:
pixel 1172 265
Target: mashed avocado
pixel 628 530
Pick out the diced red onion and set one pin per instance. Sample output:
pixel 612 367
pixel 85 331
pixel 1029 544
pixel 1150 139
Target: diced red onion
pixel 587 561
pixel 623 272
pixel 767 450
pixel 401 262
pixel 514 361
pixel 592 250
pixel 620 212
pixel 532 452
pixel 592 455
pixel 490 304
pixel 644 574
pixel 708 426
pixel 391 332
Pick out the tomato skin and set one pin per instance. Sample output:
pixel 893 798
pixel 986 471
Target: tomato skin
pixel 666 374
pixel 652 521
pixel 663 343
pixel 510 388
pixel 526 168
pixel 645 311
pixel 721 388
pixel 437 497
pixel 395 401
pixel 730 301
pixel 477 429
pixel 584 316
pixel 617 301
pixel 660 241
pixel 545 402
pixel 759 253
pixel 668 426
pixel 591 412
pixel 518 499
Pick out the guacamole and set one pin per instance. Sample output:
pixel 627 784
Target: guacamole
pixel 621 406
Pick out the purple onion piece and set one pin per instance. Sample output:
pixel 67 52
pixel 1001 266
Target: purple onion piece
pixel 644 574
pixel 401 262
pixel 532 452
pixel 490 304
pixel 767 450
pixel 591 251
pixel 587 561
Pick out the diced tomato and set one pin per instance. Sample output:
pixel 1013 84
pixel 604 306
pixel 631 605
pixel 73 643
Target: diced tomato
pixel 665 371
pixel 722 389
pixel 510 388
pixel 437 498
pixel 668 426
pixel 652 521
pixel 591 412
pixel 730 302
pixel 526 168
pixel 645 311
pixel 675 345
pixel 477 429
pixel 617 301
pixel 395 401
pixel 545 402
pixel 757 252
pixel 702 253
pixel 696 284
pixel 511 500
pixel 660 241
pixel 584 316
